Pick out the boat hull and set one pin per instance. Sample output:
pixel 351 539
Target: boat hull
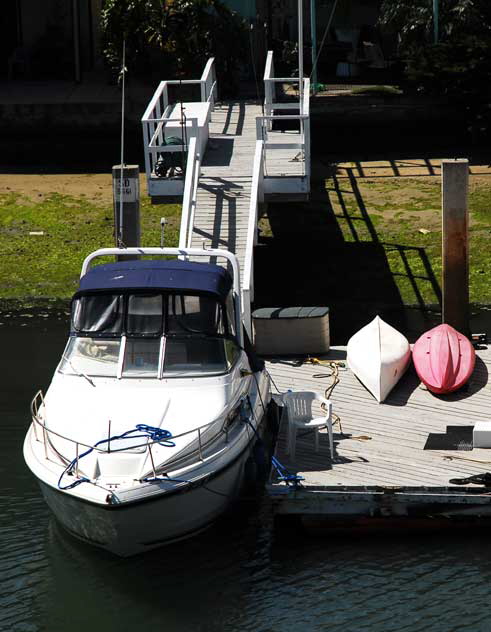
pixel 130 528
pixel 378 355
pixel 444 359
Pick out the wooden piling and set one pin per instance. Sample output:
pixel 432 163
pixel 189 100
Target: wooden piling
pixel 455 244
pixel 127 214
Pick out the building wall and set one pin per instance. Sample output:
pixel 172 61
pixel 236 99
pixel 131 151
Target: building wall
pixel 46 45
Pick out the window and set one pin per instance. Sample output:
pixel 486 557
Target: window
pixel 194 315
pixel 141 357
pixel 145 313
pixel 99 314
pixel 176 333
pixel 230 314
pixel 195 355
pixel 92 356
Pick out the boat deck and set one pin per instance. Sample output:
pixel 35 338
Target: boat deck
pixel 413 443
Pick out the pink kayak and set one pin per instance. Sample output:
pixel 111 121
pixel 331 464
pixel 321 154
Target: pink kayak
pixel 444 359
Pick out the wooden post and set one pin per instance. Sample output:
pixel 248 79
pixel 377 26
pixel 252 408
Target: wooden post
pixel 127 213
pixel 455 244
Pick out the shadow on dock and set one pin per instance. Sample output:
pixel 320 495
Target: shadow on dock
pixel 307 459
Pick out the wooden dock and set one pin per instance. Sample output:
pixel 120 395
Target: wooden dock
pixel 224 190
pixel 391 460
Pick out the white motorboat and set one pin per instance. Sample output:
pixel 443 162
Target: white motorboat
pixel 378 355
pixel 156 406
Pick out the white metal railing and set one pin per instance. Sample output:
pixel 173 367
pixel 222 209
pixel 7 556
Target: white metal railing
pixel 257 196
pixel 43 434
pixel 154 138
pixel 300 141
pixel 209 83
pixel 265 123
pixel 270 81
pixel 193 170
pixel 156 116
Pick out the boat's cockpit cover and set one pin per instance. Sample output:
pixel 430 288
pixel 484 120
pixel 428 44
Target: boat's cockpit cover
pixel 176 275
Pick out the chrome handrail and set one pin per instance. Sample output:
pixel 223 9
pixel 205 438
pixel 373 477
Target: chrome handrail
pixel 47 431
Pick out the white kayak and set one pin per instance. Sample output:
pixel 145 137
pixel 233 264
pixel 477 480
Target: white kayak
pixel 378 355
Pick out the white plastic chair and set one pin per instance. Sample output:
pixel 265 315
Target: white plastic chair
pixel 300 415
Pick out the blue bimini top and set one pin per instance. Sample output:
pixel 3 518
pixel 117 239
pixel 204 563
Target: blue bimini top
pixel 174 275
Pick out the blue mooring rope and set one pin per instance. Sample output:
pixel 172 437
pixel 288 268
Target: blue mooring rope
pixel 162 437
pixel 283 473
pixel 159 435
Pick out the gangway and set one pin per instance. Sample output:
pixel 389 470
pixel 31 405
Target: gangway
pixel 237 156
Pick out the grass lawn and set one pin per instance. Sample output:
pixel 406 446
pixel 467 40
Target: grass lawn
pixel 74 213
pixel 382 221
pixel 379 228
pixel 403 213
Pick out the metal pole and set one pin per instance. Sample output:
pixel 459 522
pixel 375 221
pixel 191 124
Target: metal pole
pixel 455 244
pixel 76 40
pixel 300 51
pixel 313 35
pixel 163 222
pixel 121 179
pixel 435 21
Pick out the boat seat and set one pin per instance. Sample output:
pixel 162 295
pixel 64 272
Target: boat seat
pixel 299 406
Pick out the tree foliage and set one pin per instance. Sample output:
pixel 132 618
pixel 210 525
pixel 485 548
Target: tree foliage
pixel 413 20
pixel 459 65
pixel 173 38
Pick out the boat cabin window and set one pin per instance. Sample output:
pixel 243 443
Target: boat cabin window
pixel 150 335
pixel 141 357
pixel 229 304
pixel 91 356
pixel 99 314
pixel 145 314
pixel 194 315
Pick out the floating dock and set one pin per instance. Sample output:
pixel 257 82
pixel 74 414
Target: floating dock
pixel 392 461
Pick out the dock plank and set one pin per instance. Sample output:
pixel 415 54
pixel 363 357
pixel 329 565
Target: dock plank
pixel 414 439
pixel 224 190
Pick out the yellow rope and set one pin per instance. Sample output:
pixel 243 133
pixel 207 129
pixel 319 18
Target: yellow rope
pixel 463 458
pixel 334 374
pixel 334 366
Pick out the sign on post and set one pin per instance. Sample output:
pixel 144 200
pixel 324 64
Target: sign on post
pixel 126 197
pixel 130 189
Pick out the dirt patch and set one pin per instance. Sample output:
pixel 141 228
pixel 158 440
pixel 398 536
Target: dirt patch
pixel 37 188
pixel 412 167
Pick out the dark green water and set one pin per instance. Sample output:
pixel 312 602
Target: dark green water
pixel 235 577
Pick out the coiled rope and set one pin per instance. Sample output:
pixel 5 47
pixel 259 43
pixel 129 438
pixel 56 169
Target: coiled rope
pixel 157 435
pixel 334 366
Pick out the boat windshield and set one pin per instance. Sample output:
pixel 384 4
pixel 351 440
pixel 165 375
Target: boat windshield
pixel 150 335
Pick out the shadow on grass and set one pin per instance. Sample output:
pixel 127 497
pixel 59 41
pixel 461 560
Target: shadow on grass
pixel 308 261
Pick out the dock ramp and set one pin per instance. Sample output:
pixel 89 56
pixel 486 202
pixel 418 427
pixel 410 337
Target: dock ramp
pixel 225 159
